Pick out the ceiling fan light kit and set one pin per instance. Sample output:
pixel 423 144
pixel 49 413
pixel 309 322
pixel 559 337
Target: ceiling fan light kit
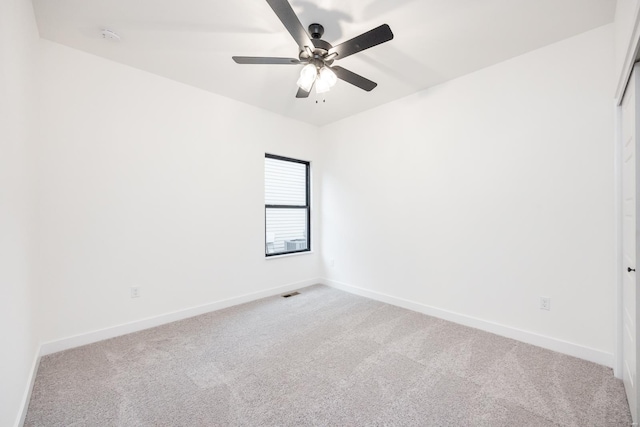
pixel 319 55
pixel 307 77
pixel 326 80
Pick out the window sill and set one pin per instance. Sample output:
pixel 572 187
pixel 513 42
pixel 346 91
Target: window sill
pixel 267 258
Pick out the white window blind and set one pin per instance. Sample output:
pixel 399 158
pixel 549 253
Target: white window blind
pixel 285 182
pixel 287 214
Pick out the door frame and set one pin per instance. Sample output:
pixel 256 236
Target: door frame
pixel 617 362
pixel 632 55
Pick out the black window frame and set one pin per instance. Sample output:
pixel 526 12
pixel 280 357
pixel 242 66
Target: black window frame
pixel 306 206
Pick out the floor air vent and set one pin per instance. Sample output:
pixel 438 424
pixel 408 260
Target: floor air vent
pixel 292 294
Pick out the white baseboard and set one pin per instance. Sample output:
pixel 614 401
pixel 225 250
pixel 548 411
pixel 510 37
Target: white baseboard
pixel 565 347
pixel 150 322
pixel 22 414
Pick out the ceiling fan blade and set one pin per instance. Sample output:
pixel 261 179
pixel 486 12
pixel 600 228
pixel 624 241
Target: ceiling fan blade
pixel 285 13
pixel 354 79
pixel 264 60
pixel 303 93
pixel 364 41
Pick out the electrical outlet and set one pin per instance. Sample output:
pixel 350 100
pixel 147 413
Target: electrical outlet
pixel 135 292
pixel 332 263
pixel 545 303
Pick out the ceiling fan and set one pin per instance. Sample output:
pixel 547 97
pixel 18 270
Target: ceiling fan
pixel 319 55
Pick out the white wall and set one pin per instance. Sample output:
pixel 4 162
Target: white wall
pixel 152 183
pixel 483 194
pixel 18 91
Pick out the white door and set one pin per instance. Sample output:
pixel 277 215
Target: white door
pixel 630 352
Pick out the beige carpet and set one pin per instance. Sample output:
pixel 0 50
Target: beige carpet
pixel 323 357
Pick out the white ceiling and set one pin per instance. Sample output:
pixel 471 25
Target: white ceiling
pixel 192 41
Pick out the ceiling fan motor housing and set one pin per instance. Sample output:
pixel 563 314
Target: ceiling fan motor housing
pixel 317 55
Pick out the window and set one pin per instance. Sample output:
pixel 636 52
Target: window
pixel 286 208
